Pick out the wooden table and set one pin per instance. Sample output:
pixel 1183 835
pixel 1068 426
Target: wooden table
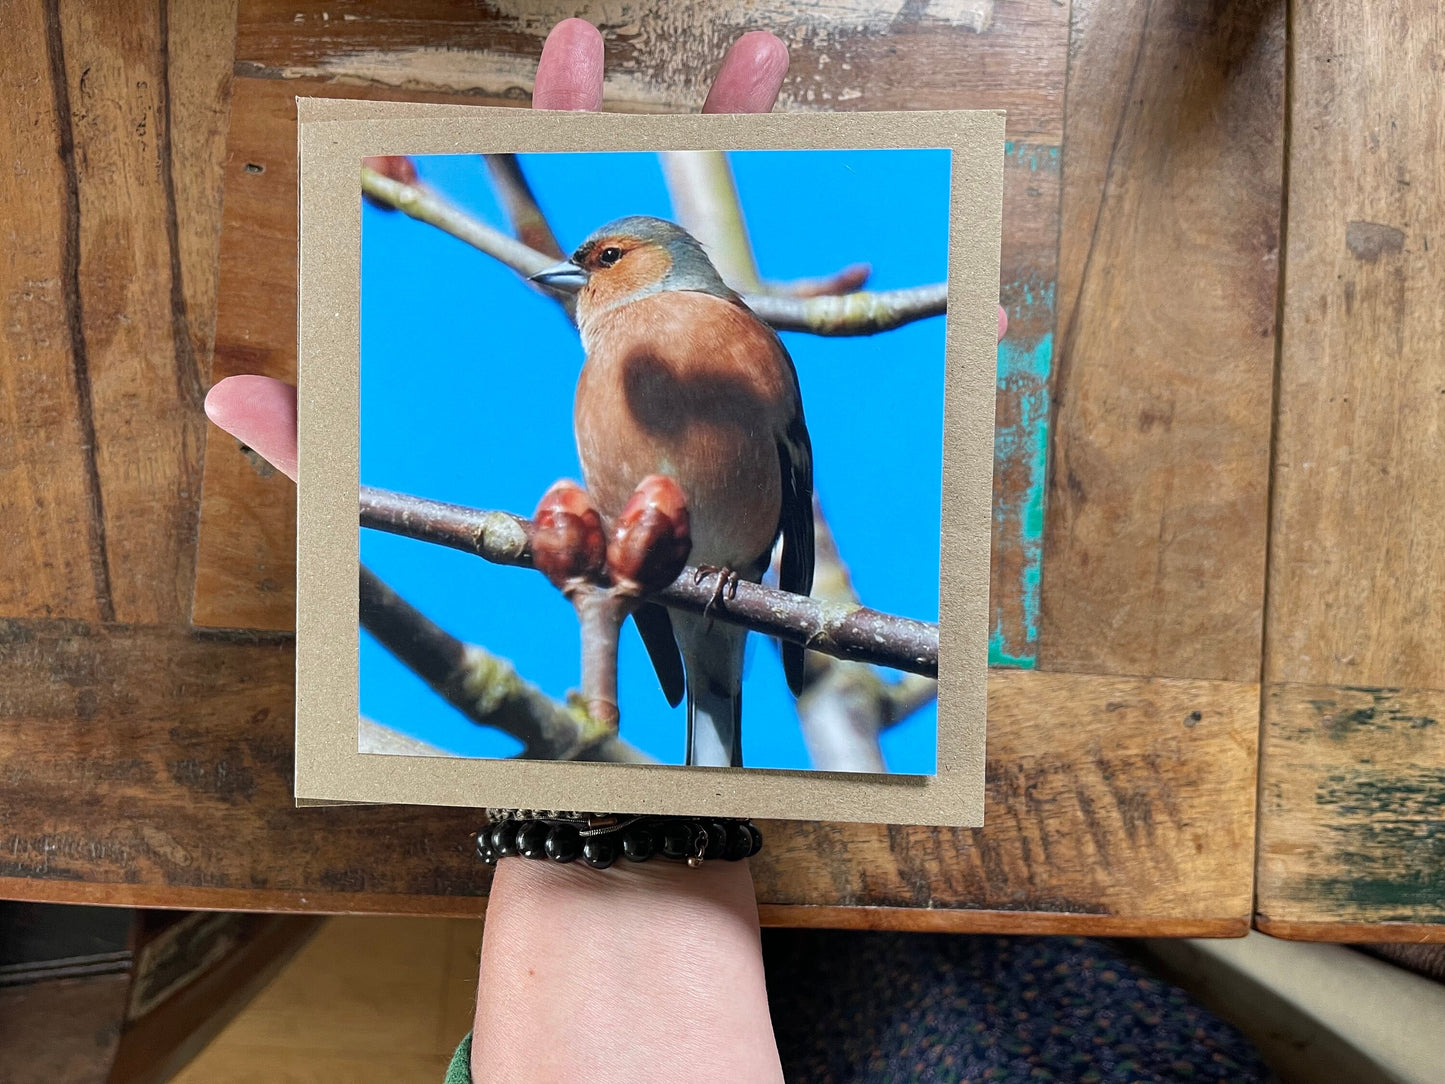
pixel 1221 699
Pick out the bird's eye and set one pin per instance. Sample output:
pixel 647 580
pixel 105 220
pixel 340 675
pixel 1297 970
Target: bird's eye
pixel 609 256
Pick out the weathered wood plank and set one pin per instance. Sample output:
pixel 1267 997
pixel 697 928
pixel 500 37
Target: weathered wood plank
pixel 1154 548
pixel 1352 813
pixel 1357 563
pixel 199 56
pixel 145 379
pixel 846 54
pixel 52 560
pixel 1111 801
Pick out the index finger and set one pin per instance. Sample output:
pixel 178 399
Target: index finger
pixel 569 73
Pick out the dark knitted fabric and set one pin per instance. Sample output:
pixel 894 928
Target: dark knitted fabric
pixel 875 1008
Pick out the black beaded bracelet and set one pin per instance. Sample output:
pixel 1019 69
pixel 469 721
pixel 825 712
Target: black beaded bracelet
pixel 598 839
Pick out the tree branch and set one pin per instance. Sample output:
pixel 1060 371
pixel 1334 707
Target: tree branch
pixel 861 313
pixel 529 224
pixel 843 630
pixel 849 280
pixel 485 688
pixel 424 205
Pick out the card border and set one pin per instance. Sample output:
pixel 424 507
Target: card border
pixel 333 135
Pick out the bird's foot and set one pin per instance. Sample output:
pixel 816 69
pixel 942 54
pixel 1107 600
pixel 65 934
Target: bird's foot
pixel 726 587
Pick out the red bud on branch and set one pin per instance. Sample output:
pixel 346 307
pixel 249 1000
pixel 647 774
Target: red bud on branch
pixel 567 541
pixel 651 540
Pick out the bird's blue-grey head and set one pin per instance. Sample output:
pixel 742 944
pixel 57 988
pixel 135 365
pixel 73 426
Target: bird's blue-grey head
pixel 631 258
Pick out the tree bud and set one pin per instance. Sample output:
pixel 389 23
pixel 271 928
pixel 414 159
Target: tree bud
pixel 651 541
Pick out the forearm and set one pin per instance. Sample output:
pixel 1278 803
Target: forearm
pixel 648 972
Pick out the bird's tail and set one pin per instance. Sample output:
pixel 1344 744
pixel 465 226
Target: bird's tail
pixel 712 656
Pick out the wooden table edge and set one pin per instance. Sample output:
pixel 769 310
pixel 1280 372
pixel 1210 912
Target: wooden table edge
pixel 1417 933
pixel 903 919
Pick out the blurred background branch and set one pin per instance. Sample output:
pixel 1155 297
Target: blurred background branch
pixel 529 225
pixel 845 706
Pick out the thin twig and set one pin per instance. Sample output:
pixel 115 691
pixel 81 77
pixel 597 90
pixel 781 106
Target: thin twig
pixel 846 281
pixel 841 630
pixel 485 688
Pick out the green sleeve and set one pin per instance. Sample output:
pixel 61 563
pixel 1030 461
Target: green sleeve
pixel 460 1070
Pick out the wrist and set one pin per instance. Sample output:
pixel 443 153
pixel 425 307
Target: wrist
pixel 641 950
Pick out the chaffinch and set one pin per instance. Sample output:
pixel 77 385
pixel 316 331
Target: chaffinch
pixel 683 380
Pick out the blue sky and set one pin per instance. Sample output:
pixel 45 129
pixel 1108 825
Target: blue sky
pixel 467 378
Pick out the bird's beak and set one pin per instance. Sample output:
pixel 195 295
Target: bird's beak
pixel 565 277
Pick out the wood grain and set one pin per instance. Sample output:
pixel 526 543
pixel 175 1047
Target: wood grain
pixel 1357 564
pixel 130 336
pixel 845 54
pixel 52 562
pixel 1111 801
pixel 1154 552
pixel 1352 812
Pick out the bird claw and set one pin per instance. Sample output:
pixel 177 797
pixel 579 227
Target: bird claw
pixel 726 587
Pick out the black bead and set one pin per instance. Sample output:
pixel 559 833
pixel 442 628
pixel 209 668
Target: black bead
pixel 504 838
pixel 484 849
pixel 677 841
pixel 562 843
pixel 532 839
pixel 717 840
pixel 740 842
pixel 637 844
pixel 599 852
pixel 757 839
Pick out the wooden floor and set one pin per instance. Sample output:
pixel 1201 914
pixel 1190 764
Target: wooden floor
pixel 382 1000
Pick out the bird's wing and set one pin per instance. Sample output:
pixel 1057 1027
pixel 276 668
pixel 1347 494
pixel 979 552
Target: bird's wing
pixel 655 627
pixel 795 568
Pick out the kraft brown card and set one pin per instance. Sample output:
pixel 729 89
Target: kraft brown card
pixel 646 461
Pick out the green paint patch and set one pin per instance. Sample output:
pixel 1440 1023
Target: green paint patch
pixel 1022 445
pixel 1409 898
pixel 1388 833
pixel 998 654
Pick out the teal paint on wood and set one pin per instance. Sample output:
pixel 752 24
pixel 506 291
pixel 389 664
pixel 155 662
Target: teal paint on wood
pixel 1021 443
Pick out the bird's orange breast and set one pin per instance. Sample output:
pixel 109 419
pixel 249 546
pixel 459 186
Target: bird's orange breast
pixel 695 387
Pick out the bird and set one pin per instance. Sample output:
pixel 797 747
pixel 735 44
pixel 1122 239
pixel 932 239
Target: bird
pixel 682 379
